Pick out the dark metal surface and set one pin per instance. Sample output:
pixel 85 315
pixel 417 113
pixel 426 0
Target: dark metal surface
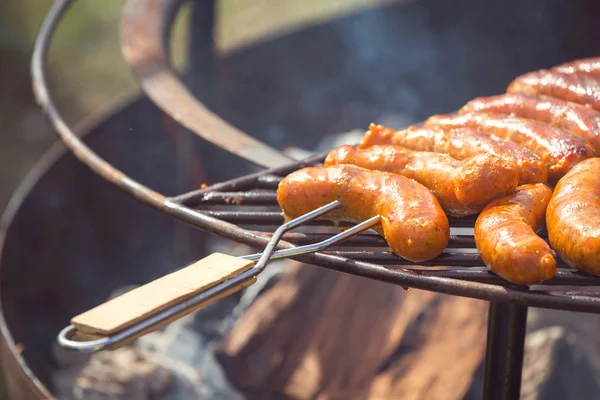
pixel 504 353
pixel 81 151
pixel 367 240
pixel 143 29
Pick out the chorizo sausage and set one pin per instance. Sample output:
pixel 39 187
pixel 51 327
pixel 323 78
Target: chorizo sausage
pixel 558 149
pixel 460 143
pixel 573 117
pixel 590 66
pixel 462 187
pixel 576 87
pixel 505 235
pixel 573 217
pixel 412 221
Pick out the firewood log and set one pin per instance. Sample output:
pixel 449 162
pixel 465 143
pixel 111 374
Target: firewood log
pixel 326 335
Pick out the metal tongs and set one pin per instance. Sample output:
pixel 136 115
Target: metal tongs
pixel 158 303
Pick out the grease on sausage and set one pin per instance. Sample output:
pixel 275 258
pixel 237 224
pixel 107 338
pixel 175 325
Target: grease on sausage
pixel 590 66
pixel 558 149
pixel 573 217
pixel 505 235
pixel 462 187
pixel 579 88
pixel 573 117
pixel 460 143
pixel 412 221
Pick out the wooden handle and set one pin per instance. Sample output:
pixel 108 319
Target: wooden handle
pixel 147 300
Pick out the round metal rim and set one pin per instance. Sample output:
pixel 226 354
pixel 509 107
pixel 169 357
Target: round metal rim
pixel 144 36
pixel 32 177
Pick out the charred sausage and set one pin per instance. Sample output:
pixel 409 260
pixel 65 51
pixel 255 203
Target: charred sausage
pixel 573 117
pixel 462 187
pixel 573 217
pixel 505 235
pixel 579 88
pixel 460 143
pixel 412 221
pixel 558 149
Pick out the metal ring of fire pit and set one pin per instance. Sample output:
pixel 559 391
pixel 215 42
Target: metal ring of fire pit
pixel 144 33
pixel 475 284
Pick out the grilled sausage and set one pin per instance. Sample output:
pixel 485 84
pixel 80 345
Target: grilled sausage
pixel 460 143
pixel 572 117
pixel 462 187
pixel 573 217
pixel 579 88
pixel 505 235
pixel 558 149
pixel 412 220
pixel 590 66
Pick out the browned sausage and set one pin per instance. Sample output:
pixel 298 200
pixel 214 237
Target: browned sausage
pixel 558 149
pixel 505 235
pixel 590 66
pixel 462 187
pixel 567 115
pixel 460 143
pixel 412 220
pixel 573 217
pixel 576 87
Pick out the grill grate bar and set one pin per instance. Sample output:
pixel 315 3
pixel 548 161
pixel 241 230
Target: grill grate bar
pixel 268 182
pixel 461 259
pixel 272 218
pixel 365 240
pixel 564 277
pixel 247 182
pixel 239 198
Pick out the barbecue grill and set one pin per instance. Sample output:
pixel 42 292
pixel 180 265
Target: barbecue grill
pixel 245 209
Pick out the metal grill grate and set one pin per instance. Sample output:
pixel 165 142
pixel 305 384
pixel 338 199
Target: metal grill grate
pixel 245 210
pixel 253 206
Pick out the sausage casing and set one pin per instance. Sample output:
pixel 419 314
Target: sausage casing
pixel 579 88
pixel 590 66
pixel 567 115
pixel 462 187
pixel 505 235
pixel 573 217
pixel 460 143
pixel 412 221
pixel 558 149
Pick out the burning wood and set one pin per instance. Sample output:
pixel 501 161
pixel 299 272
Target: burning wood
pixel 318 334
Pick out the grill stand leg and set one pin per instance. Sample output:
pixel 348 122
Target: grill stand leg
pixel 504 354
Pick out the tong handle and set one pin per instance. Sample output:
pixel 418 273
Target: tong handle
pixel 148 300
